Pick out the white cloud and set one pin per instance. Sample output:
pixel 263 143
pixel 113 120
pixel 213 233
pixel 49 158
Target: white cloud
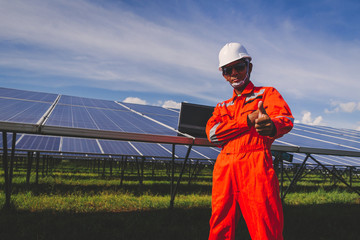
pixel 348 107
pixel 135 100
pixel 307 119
pixel 171 104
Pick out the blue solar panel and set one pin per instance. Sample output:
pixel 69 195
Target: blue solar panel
pixel 71 116
pixel 88 102
pixel 181 150
pixel 38 143
pixel 145 109
pixel 329 133
pixel 104 119
pixel 79 145
pixel 160 114
pixel 117 147
pixel 9 140
pixel 151 149
pixel 311 140
pixel 209 152
pixel 170 121
pixel 27 95
pixel 21 111
pixel 327 160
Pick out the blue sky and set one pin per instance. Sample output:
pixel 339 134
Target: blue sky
pixel 165 52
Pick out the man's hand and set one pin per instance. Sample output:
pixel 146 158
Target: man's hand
pixel 252 117
pixel 263 124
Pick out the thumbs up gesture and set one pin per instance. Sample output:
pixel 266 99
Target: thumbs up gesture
pixel 263 124
pixel 261 121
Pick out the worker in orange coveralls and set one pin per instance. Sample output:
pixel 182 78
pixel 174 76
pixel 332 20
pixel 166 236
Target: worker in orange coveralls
pixel 245 126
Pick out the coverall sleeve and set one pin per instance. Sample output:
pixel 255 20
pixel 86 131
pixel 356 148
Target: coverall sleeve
pixel 279 112
pixel 221 128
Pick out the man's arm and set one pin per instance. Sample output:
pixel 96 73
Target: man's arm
pixel 221 128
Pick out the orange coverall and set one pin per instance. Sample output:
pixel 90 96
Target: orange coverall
pixel 243 177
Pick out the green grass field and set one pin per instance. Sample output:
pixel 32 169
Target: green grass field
pixel 77 201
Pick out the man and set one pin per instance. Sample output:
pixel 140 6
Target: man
pixel 245 126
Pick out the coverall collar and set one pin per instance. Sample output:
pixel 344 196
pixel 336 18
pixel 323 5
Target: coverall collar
pixel 248 89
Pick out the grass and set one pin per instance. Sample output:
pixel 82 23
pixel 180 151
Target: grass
pixel 75 202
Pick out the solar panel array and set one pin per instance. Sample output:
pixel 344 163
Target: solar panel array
pixel 28 107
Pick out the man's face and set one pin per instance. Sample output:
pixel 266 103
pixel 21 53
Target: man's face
pixel 237 74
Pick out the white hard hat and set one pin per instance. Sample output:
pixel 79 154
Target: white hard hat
pixel 232 52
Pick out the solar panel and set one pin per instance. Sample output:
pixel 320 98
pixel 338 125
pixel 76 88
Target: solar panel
pixel 309 139
pixel 209 152
pixel 181 150
pixel 9 140
pixel 152 149
pixel 146 109
pixel 104 119
pixel 88 102
pixel 38 143
pixel 170 121
pixel 71 116
pixel 117 147
pixel 79 145
pixel 17 106
pixel 22 111
pixel 26 95
pixel 328 160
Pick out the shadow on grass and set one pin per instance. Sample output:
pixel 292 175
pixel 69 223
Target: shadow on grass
pixel 301 222
pixel 161 189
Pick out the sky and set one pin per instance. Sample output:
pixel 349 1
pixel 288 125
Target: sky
pixel 164 52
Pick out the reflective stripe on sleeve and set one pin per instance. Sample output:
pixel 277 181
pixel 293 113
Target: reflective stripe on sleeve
pixel 291 119
pixel 212 134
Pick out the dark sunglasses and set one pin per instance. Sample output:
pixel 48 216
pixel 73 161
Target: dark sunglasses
pixel 239 67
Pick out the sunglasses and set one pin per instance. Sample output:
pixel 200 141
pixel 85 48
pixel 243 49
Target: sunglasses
pixel 239 67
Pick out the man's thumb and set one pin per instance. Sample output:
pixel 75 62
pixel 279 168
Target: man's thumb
pixel 261 108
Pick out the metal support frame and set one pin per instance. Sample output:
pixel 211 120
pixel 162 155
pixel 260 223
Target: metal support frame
pixel 174 190
pixel 28 169
pixel 140 169
pixel 8 170
pixel 295 178
pixel 192 175
pixel 335 175
pixel 332 172
pixel 123 164
pixel 37 167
